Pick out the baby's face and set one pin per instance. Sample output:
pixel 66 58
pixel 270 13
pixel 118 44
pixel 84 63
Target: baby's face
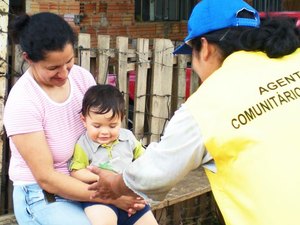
pixel 101 128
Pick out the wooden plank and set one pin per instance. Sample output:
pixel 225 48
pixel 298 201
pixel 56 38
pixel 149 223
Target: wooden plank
pixel 122 49
pixel 182 64
pixel 8 219
pixel 179 82
pixel 194 184
pixel 130 66
pixel 84 54
pixel 161 86
pixel 19 65
pixel 190 210
pixel 161 216
pixel 5 195
pixel 177 214
pixel 195 82
pixel 103 58
pixel 140 87
pixel 131 53
pixel 3 65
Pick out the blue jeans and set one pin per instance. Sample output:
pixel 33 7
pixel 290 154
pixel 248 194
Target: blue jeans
pixel 32 208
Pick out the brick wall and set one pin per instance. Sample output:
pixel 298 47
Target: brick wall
pixel 58 6
pixel 116 18
pixel 113 17
pixel 291 5
pixel 66 8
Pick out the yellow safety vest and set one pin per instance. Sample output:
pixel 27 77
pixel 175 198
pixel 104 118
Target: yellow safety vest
pixel 249 114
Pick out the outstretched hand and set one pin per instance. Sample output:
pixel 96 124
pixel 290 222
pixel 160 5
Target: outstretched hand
pixel 104 187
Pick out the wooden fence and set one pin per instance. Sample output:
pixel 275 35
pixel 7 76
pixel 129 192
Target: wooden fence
pixel 159 77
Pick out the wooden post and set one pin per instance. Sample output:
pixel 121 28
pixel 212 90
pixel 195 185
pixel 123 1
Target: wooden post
pixel 19 65
pixel 141 87
pixel 195 82
pixel 161 86
pixel 4 6
pixel 122 48
pixel 103 58
pixel 182 64
pixel 177 213
pixel 3 66
pixel 84 53
pixel 161 216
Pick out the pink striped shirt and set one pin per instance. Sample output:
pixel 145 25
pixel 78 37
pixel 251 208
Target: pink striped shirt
pixel 28 109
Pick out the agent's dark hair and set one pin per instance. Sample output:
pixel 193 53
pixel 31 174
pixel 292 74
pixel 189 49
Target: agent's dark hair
pixel 40 33
pixel 101 99
pixel 276 37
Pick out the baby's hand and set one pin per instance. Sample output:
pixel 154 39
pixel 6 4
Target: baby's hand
pixel 130 204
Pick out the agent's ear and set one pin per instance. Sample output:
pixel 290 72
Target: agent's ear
pixel 208 50
pixel 205 49
pixel 26 58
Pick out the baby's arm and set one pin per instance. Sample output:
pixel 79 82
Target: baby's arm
pixel 84 175
pixel 78 164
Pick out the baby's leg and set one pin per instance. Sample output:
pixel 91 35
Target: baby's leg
pixel 101 215
pixel 148 218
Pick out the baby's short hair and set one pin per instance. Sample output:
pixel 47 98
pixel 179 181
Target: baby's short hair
pixel 102 98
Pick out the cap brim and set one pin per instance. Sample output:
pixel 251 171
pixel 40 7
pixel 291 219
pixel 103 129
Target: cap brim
pixel 183 49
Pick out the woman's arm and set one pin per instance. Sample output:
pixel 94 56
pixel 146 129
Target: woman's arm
pixel 34 149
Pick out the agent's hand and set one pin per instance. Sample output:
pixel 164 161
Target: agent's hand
pixel 104 187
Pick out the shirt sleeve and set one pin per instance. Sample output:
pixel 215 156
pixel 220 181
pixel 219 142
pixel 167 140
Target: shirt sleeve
pixel 138 150
pixel 23 112
pixel 165 163
pixel 79 160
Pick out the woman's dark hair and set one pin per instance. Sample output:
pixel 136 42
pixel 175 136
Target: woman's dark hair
pixel 41 33
pixel 276 37
pixel 101 99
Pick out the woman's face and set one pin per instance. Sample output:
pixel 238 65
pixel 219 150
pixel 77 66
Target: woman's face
pixel 55 68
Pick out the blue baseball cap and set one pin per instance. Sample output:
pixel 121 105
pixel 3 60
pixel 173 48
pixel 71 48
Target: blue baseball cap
pixel 211 15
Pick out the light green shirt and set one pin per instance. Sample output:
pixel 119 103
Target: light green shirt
pixel 115 157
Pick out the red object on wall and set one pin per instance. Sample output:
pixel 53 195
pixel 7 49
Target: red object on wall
pixel 112 80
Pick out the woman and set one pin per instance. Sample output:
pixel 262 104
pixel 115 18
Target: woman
pixel 241 124
pixel 42 121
